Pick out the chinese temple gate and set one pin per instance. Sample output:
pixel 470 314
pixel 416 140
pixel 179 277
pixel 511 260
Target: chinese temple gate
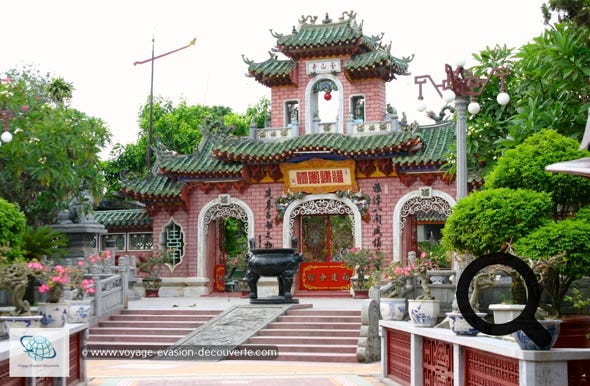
pixel 336 168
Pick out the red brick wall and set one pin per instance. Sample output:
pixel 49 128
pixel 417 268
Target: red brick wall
pixel 372 89
pixel 392 190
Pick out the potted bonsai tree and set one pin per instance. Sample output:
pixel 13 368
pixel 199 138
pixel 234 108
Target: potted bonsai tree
pixel 559 254
pixel 151 266
pixel 487 221
pixel 364 263
pixel 425 308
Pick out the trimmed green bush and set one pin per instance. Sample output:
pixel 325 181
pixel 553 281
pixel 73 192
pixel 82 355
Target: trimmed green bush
pixel 488 220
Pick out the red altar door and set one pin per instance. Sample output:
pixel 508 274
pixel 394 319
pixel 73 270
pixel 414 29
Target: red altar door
pixel 324 237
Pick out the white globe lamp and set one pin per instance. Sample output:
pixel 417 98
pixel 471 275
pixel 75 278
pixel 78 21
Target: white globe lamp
pixel 6 137
pixel 448 95
pixel 503 98
pixel 473 108
pixel 421 106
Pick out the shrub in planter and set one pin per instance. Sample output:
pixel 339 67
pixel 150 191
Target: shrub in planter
pixel 559 253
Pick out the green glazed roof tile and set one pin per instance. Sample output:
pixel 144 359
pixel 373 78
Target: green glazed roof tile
pixel 124 218
pixel 272 71
pixel 369 58
pixel 222 157
pixel 371 146
pixel 201 163
pixel 378 58
pixel 310 35
pixel 158 186
pixel 437 138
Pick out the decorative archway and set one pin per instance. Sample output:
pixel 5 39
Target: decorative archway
pixel 321 204
pixel 224 206
pixel 424 199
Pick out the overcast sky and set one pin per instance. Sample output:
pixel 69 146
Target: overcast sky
pixel 93 44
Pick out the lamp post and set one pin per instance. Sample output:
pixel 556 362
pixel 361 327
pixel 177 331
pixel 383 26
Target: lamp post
pixel 461 86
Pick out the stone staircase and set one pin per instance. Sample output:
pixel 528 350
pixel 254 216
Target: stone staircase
pixel 146 329
pixel 301 334
pixel 312 335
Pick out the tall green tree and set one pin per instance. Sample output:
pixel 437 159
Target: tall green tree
pixel 178 128
pixel 54 153
pixel 549 88
pixel 553 90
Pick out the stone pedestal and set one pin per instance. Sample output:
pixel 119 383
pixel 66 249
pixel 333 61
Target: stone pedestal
pixel 81 238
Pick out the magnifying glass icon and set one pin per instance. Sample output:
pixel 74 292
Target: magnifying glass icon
pixel 525 321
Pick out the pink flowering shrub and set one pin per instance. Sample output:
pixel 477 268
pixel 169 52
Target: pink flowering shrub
pixel 54 279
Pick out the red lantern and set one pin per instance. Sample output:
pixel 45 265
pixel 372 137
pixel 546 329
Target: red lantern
pixel 327 96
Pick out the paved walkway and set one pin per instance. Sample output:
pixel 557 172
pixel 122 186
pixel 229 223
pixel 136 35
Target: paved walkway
pixel 180 373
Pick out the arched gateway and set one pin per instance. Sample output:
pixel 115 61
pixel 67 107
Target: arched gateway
pixel 221 208
pixel 423 200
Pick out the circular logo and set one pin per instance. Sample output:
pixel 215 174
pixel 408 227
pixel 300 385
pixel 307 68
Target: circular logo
pixel 525 321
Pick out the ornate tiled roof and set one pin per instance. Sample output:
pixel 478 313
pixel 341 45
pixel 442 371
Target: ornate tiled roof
pixel 223 158
pixel 128 218
pixel 272 72
pixel 154 188
pixel 202 164
pixel 334 38
pixel 379 63
pixel 372 146
pixel 369 58
pixel 437 139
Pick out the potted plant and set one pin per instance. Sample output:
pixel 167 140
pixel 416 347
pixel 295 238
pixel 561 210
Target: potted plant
pixel 393 303
pixel 483 280
pixel 80 306
pixel 425 308
pixel 151 265
pixel 239 264
pixel 14 277
pixel 559 254
pixel 363 262
pixel 437 253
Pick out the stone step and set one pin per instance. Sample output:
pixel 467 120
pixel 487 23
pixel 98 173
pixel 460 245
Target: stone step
pixel 149 324
pixel 304 340
pixel 317 357
pixel 310 332
pixel 101 338
pixel 160 318
pixel 313 335
pixel 168 312
pixel 136 331
pixel 314 326
pixel 315 348
pixel 313 312
pixel 319 319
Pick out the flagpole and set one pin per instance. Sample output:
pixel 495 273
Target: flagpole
pixel 148 157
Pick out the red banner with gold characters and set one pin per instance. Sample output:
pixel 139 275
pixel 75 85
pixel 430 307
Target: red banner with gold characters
pixel 322 276
pixel 319 176
pixel 220 277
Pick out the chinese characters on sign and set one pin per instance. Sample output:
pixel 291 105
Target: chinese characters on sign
pixel 268 218
pixel 319 176
pixel 315 177
pixel 325 276
pixel 323 66
pixel 377 216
